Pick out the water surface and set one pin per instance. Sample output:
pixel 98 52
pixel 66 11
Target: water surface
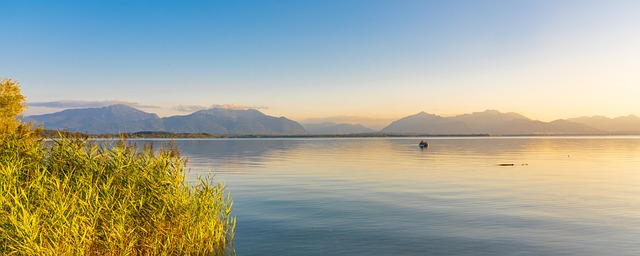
pixel 386 196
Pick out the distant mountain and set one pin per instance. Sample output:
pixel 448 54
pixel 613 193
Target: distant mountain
pixel 623 124
pixel 110 119
pixel 333 128
pixel 488 122
pixel 220 121
pixel 424 123
pixel 121 118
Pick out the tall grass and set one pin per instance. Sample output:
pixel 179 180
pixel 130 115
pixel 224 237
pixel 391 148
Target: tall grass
pixel 80 198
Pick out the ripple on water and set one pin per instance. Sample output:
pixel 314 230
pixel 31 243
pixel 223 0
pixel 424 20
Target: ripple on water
pixel 385 196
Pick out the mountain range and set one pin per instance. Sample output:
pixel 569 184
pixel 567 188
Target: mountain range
pixel 121 118
pixel 220 121
pixel 488 122
pixel 623 124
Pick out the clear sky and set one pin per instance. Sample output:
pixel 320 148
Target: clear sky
pixel 358 59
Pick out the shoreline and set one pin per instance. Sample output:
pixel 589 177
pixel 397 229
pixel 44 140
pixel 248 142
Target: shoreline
pixel 53 134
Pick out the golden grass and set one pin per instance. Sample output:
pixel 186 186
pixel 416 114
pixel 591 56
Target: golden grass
pixel 80 198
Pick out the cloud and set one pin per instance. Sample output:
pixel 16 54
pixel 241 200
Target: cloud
pixel 65 104
pixel 237 106
pixel 189 108
pixel 194 108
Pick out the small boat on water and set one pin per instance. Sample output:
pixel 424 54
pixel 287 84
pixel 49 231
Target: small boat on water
pixel 423 144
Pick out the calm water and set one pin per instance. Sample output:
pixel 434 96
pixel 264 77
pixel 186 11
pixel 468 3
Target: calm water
pixel 381 196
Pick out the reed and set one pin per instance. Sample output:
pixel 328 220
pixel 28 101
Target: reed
pixel 75 197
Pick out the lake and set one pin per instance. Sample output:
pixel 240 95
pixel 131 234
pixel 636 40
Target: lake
pixel 461 196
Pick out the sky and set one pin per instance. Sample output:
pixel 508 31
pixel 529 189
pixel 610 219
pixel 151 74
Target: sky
pixel 364 61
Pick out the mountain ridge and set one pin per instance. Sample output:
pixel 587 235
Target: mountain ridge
pixel 490 122
pixel 621 124
pixel 109 119
pixel 121 118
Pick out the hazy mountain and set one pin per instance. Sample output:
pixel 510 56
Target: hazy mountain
pixel 110 119
pixel 488 119
pixel 220 121
pixel 424 123
pixel 122 118
pixel 528 126
pixel 375 123
pixel 623 124
pixel 487 122
pixel 333 128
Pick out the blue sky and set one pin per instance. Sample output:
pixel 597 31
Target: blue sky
pixel 364 60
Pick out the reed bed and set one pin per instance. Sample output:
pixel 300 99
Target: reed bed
pixel 75 197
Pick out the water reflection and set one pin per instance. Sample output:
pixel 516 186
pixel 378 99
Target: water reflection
pixel 385 196
pixel 226 155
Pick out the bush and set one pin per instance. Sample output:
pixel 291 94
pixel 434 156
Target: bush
pixel 12 104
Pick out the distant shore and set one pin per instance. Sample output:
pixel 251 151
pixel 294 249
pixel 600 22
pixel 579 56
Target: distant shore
pixel 51 134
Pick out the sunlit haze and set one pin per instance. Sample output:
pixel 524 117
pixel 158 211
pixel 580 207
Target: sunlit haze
pixel 354 61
